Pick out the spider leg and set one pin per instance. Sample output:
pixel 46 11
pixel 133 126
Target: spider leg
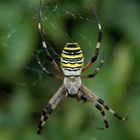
pixel 94 72
pixel 94 58
pixel 47 111
pixel 94 98
pixel 44 69
pixel 103 114
pixel 110 110
pixel 80 96
pixel 86 94
pixel 44 43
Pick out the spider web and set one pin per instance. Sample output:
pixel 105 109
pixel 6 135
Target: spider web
pixel 62 24
pixel 72 24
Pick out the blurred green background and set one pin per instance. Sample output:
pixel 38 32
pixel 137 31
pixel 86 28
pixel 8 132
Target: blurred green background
pixel 25 90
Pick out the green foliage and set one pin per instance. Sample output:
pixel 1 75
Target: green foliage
pixel 24 90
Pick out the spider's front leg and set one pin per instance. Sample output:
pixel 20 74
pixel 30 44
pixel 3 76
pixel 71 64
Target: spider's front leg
pixel 45 70
pixel 51 107
pixel 44 41
pixel 95 56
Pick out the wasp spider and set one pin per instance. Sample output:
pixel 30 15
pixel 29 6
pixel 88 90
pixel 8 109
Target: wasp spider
pixel 70 69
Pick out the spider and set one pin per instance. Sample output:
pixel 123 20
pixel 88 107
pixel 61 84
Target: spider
pixel 70 69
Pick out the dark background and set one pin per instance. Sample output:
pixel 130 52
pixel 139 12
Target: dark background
pixel 25 90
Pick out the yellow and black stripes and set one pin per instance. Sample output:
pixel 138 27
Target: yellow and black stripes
pixel 72 59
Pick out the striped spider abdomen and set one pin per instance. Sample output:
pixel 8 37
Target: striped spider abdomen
pixel 72 60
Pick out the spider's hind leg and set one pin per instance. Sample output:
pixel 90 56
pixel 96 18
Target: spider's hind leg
pixel 82 96
pixel 103 114
pixel 110 110
pixel 52 104
pixel 87 95
pixel 92 97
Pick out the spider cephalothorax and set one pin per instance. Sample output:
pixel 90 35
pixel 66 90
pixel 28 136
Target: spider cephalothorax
pixel 72 84
pixel 70 71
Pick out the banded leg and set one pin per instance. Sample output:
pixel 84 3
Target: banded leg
pixel 87 95
pixel 84 92
pixel 90 96
pixel 51 107
pixel 103 114
pixel 80 96
pixel 44 43
pixel 44 69
pixel 94 58
pixel 110 110
pixel 94 72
